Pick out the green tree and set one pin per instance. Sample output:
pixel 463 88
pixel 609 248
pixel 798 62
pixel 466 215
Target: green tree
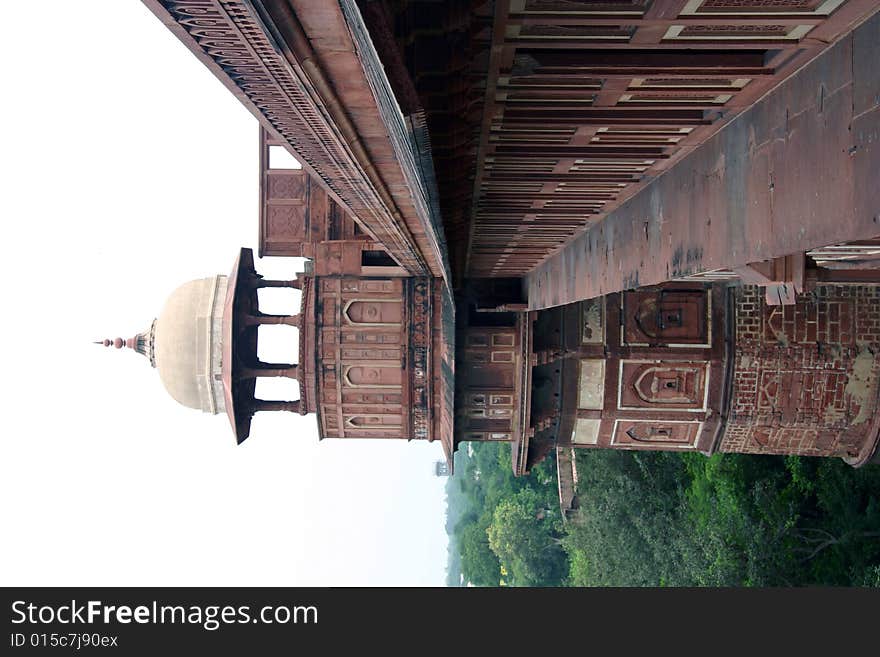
pixel 578 569
pixel 479 565
pixel 729 520
pixel 522 535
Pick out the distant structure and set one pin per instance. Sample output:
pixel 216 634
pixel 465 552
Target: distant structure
pixel 441 469
pixel 493 254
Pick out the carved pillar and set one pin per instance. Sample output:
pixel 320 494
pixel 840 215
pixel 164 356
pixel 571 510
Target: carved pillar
pixel 263 405
pixel 269 369
pixel 262 282
pixel 262 318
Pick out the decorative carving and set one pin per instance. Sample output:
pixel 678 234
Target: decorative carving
pixel 745 6
pixel 372 376
pixel 285 222
pixel 585 6
pixel 373 421
pixel 373 312
pixel 663 385
pixel 420 354
pixel 286 186
pixel 576 31
pixel 664 434
pixel 304 397
pixel 735 30
pixel 668 317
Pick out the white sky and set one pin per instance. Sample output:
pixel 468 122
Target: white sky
pixel 126 170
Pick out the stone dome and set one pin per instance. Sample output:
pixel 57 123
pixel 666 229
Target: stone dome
pixel 186 344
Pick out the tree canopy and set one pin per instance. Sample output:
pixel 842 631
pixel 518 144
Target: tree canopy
pixel 666 519
pixel 523 534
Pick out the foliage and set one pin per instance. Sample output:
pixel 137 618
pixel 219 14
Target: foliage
pixel 578 568
pixel 729 520
pixel 484 481
pixel 480 566
pixel 523 535
pixel 667 519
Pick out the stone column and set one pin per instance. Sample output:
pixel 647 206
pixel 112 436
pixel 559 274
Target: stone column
pixel 269 369
pixel 262 318
pixel 262 282
pixel 263 405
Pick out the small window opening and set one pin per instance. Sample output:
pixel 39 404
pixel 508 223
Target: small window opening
pixel 377 259
pixel 279 158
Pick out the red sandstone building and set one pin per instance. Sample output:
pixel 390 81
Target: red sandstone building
pixel 554 223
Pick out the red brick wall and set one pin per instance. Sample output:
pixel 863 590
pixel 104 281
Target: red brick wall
pixel 805 376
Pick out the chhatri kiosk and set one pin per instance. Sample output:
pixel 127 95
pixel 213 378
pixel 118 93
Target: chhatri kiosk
pixel 204 345
pixel 370 352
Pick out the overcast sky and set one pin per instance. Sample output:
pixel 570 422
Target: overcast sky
pixel 127 170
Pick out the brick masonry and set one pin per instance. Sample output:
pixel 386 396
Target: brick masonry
pixel 805 377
